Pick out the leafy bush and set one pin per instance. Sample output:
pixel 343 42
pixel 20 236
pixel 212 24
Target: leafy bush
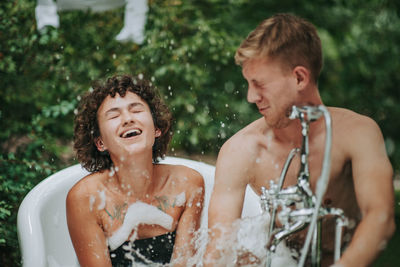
pixel 188 55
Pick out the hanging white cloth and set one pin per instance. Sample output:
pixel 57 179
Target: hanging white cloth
pixel 134 20
pixel 46 14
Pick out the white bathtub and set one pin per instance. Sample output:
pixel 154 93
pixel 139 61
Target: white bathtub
pixel 42 229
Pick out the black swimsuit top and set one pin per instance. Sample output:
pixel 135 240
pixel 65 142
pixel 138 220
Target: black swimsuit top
pixel 156 249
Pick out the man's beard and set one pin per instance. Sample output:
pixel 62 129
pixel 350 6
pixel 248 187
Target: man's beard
pixel 283 120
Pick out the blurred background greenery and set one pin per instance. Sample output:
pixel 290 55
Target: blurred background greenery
pixel 188 55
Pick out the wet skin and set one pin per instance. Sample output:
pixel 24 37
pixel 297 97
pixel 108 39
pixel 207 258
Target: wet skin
pixel 97 204
pixel 361 175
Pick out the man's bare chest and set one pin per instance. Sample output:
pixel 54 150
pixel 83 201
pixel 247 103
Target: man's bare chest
pixel 270 167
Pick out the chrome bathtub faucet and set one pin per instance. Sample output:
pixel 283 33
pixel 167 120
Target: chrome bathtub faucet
pixel 308 211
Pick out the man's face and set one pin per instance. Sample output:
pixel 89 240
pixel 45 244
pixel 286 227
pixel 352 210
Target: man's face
pixel 271 89
pixel 126 125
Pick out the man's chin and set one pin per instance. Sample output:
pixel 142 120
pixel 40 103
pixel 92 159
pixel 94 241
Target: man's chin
pixel 280 124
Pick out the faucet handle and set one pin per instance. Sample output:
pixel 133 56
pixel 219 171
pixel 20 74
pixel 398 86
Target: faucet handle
pixel 273 188
pixel 312 113
pixel 264 199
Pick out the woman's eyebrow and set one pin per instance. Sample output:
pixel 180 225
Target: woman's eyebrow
pixel 111 110
pixel 117 109
pixel 135 104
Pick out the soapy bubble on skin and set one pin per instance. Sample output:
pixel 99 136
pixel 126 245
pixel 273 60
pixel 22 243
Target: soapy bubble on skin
pixel 112 172
pixel 139 213
pixel 180 200
pixel 270 136
pixel 247 237
pixel 92 199
pixel 197 192
pixel 383 245
pixel 102 196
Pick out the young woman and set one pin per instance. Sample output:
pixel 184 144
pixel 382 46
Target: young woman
pixel 130 209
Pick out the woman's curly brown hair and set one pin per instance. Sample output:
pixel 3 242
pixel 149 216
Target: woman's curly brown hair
pixel 86 128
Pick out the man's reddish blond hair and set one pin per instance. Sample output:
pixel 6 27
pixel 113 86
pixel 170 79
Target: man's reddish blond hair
pixel 290 39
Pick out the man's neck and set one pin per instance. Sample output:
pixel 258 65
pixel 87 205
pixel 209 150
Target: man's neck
pixel 291 133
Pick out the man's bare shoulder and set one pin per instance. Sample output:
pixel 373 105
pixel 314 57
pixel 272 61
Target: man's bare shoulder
pixel 238 155
pixel 247 139
pixel 353 132
pixel 351 123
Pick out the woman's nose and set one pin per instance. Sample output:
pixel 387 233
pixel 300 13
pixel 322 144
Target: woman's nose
pixel 127 117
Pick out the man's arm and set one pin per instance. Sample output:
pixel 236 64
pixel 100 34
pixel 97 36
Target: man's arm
pixel 231 178
pixel 372 174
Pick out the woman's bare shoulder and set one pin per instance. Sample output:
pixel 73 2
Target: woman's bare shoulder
pixel 184 174
pixel 86 187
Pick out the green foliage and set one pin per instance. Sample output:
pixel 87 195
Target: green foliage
pixel 188 55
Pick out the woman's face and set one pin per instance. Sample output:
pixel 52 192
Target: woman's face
pixel 126 126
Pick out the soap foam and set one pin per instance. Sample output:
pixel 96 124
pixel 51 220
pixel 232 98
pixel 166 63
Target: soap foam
pixel 139 213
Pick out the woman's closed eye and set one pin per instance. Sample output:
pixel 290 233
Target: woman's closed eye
pixel 113 115
pixel 136 110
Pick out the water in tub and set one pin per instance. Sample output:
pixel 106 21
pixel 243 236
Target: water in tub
pixel 249 235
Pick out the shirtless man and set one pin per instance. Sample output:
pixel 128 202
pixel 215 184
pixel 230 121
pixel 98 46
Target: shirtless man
pixel 281 61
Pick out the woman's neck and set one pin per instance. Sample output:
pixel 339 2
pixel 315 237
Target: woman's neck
pixel 135 175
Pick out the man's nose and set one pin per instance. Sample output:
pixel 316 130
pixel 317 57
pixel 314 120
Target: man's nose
pixel 252 95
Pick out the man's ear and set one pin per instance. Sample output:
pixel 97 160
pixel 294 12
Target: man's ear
pixel 158 132
pixel 100 145
pixel 302 76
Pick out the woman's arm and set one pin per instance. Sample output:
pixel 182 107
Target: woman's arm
pixel 189 221
pixel 87 236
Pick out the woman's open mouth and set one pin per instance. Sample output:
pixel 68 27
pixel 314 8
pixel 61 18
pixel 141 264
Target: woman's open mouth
pixel 131 133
